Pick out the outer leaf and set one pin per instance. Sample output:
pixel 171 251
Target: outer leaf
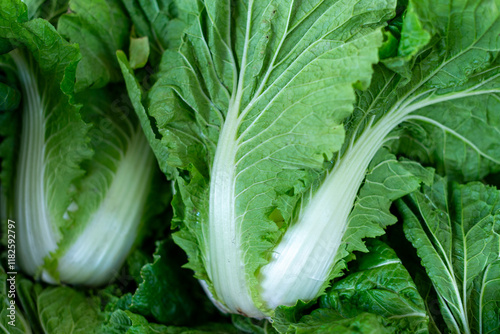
pixel 379 284
pixel 457 236
pixel 63 310
pixel 27 293
pixel 323 321
pixel 485 297
pixel 378 287
pixel 272 90
pixel 53 134
pixel 100 27
pixel 165 292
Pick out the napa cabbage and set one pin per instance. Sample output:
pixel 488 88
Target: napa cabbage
pixel 284 133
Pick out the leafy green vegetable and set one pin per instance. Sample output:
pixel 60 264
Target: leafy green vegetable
pixel 253 108
pixel 456 231
pixel 272 79
pixel 288 129
pixel 68 206
pixel 130 323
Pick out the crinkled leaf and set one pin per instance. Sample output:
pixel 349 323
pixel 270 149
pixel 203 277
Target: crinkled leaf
pixel 64 310
pixel 456 231
pixel 379 283
pixel 387 179
pixel 166 293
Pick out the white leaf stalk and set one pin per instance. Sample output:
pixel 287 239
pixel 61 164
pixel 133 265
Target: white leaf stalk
pixel 36 236
pixel 100 250
pixel 107 237
pixel 304 257
pixel 224 242
pixel 302 261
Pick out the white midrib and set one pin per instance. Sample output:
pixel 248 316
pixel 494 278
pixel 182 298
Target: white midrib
pixel 36 235
pixel 226 267
pixel 303 259
pixel 92 259
pixel 225 263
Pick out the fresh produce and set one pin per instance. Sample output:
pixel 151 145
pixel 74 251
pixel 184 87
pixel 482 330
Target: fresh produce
pixel 333 165
pixel 254 117
pixel 81 174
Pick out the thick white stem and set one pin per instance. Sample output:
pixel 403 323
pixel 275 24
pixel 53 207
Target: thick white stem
pixel 224 263
pixel 302 261
pixel 92 258
pixel 99 251
pixel 36 235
